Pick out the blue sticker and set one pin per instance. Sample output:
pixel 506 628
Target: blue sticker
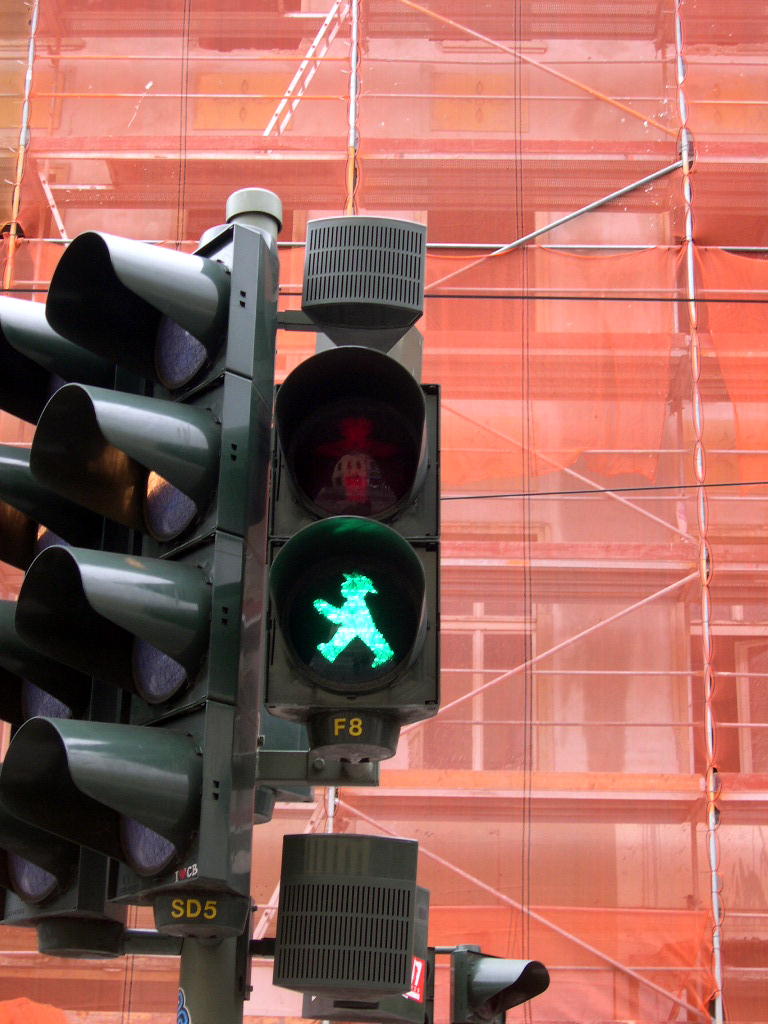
pixel 182 1013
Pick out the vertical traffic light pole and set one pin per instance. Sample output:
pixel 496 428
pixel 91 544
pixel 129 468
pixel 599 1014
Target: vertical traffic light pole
pixel 214 972
pixel 213 980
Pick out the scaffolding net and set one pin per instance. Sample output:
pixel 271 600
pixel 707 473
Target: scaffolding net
pixel 592 177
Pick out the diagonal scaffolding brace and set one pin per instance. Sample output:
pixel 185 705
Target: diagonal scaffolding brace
pixel 574 474
pixel 696 1011
pixel 307 69
pixel 530 662
pixel 540 66
pixel 519 242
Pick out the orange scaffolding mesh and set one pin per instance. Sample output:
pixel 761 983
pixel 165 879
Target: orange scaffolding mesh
pixel 595 316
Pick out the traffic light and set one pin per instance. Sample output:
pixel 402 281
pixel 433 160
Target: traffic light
pixel 46 881
pixel 484 987
pixel 59 888
pixel 34 361
pixel 354 527
pixel 32 684
pixel 170 623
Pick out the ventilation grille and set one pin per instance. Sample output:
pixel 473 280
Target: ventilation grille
pixel 340 938
pixel 364 272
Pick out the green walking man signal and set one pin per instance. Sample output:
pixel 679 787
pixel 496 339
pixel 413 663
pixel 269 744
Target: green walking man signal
pixel 354 620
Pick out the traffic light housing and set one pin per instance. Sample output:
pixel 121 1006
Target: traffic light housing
pixel 46 881
pixel 354 523
pixel 484 987
pixel 32 516
pixel 159 313
pixel 32 684
pixel 169 625
pixel 35 359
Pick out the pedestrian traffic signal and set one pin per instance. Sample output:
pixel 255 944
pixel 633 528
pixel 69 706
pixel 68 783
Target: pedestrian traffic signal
pixel 484 987
pixel 167 622
pixel 354 552
pixel 358 436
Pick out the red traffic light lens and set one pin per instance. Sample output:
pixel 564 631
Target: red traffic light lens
pixel 352 428
pixel 354 458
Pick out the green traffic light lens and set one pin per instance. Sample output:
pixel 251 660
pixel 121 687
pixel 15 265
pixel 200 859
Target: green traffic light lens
pixel 157 676
pixel 349 594
pixel 167 510
pixel 30 882
pixel 179 356
pixel 148 853
pixel 353 623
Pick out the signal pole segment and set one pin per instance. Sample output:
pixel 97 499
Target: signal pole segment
pixel 214 980
pixel 162 433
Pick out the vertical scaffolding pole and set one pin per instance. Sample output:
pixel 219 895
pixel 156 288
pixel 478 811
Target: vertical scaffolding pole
pixel 22 153
pixel 712 780
pixel 353 138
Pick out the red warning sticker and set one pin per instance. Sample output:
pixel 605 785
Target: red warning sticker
pixel 418 973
